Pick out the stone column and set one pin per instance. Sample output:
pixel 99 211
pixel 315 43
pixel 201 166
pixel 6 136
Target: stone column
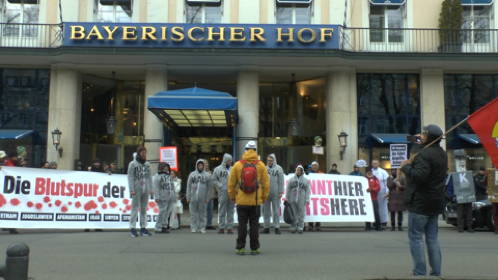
pixel 248 108
pixel 156 79
pixel 432 99
pixel 64 114
pixel 341 115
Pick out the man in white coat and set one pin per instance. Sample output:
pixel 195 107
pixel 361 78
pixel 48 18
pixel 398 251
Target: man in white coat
pixel 382 176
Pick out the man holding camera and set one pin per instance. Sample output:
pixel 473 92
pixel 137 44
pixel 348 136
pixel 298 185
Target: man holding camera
pixel 425 175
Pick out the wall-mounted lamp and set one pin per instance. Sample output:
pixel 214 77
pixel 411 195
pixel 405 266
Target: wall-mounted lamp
pixel 343 142
pixel 56 140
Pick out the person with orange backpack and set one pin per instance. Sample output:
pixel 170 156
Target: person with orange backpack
pixel 248 187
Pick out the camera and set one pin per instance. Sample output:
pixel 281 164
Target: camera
pixel 414 139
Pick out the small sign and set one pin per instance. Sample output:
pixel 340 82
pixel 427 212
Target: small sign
pixel 398 154
pixel 169 155
pixel 463 185
pixel 318 150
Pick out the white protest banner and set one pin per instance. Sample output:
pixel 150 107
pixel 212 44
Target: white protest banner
pixel 45 198
pixel 336 198
pixel 169 155
pixel 398 154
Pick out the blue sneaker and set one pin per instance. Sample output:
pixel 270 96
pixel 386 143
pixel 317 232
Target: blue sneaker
pixel 145 232
pixel 133 233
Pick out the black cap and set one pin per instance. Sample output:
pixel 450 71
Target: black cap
pixel 433 130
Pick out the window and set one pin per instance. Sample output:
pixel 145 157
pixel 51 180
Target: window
pixel 477 17
pixel 113 10
pixel 386 22
pixel 203 11
pixel 17 12
pixel 465 94
pixel 293 13
pixel 388 103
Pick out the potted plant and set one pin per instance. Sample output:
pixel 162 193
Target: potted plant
pixel 450 25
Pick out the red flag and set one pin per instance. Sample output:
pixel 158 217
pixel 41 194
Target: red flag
pixel 484 122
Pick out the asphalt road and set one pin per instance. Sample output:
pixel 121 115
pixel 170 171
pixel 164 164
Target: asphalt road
pixel 338 253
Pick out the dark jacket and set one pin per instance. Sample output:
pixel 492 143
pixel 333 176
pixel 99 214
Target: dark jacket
pixel 425 180
pixel 480 183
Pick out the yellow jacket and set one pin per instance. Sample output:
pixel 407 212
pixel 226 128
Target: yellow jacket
pixel 240 197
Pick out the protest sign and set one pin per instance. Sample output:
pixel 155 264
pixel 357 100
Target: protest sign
pixel 45 198
pixel 398 154
pixel 463 184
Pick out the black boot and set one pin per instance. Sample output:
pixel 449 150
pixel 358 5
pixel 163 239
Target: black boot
pixel 277 231
pixel 266 231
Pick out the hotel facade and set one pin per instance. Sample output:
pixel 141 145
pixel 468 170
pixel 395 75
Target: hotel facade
pixel 300 70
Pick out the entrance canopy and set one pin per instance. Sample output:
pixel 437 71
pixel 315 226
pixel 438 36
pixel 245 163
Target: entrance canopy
pixel 387 138
pixel 14 133
pixel 194 108
pixel 470 138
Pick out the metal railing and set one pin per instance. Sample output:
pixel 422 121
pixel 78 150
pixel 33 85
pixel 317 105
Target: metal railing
pixel 26 35
pixel 412 40
pixel 362 40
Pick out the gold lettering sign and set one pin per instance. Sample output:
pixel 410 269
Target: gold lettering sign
pixel 289 34
pixel 77 32
pixel 178 35
pixel 301 39
pixel 191 35
pixel 129 33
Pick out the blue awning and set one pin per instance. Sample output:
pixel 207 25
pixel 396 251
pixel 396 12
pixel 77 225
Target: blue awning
pixel 14 133
pixel 194 107
pixel 470 138
pixel 387 2
pixel 387 138
pixel 477 2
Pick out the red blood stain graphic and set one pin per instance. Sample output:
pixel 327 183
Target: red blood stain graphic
pixel 101 199
pixel 64 209
pixel 77 204
pixel 58 203
pixel 104 206
pixel 90 205
pixel 50 205
pixel 70 203
pixel 128 208
pixel 126 201
pixel 152 204
pixel 97 212
pixel 2 200
pixel 30 204
pixel 113 204
pixel 46 199
pixel 15 201
pixel 39 206
pixel 156 210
